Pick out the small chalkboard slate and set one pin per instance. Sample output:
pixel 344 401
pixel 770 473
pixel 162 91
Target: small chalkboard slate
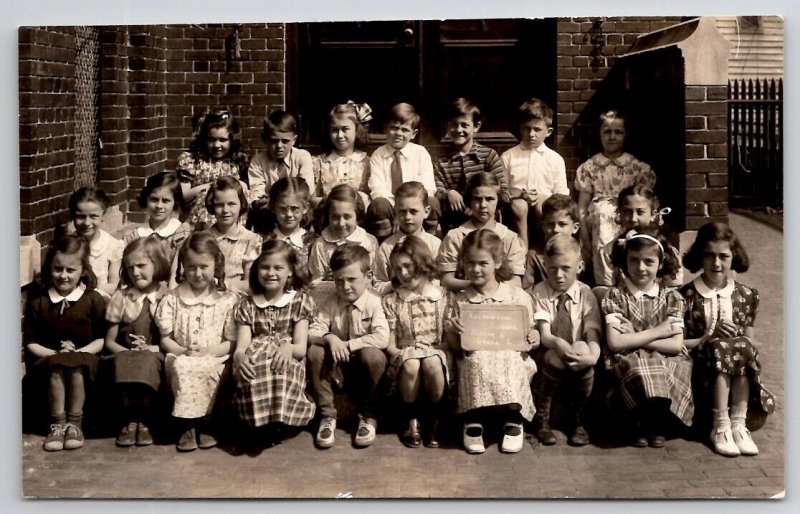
pixel 494 327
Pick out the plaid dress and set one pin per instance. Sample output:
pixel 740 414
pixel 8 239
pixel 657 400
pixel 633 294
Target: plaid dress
pixel 643 374
pixel 274 396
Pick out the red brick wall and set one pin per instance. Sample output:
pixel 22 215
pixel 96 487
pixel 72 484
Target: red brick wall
pixel 46 127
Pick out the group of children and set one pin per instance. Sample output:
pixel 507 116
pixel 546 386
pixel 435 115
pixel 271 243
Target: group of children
pixel 186 300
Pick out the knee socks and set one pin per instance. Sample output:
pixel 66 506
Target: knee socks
pixel 544 390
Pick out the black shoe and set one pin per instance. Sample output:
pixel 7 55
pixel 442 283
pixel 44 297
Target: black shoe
pixel 656 441
pixel 411 436
pixel 432 439
pixel 543 432
pixel 579 436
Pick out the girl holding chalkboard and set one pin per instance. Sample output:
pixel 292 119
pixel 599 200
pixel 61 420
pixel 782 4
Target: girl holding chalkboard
pixel 492 384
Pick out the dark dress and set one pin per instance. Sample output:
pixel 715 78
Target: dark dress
pixel 136 366
pixel 81 321
pixel 735 356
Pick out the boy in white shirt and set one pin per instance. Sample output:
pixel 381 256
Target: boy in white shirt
pixel 534 171
pixel 397 162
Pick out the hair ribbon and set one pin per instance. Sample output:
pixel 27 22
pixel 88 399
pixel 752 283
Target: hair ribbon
pixel 363 111
pixel 632 234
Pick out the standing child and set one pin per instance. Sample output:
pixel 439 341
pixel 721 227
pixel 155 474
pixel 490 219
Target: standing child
pixel 568 319
pixel 651 368
pixel 215 152
pixel 534 171
pixel 719 326
pixel 196 324
pixel 279 160
pixel 394 163
pixel 600 180
pixel 161 197
pixel 416 311
pixel 346 163
pixel 133 338
pixel 289 203
pixel 465 158
pixel 227 201
pixel 87 207
pixel 343 215
pixel 638 208
pixel 411 209
pixel 349 333
pixel 272 334
pixel 63 333
pixel 482 195
pixel 559 216
pixel 499 379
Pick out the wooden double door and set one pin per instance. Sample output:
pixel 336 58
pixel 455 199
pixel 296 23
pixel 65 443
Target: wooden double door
pixel 495 63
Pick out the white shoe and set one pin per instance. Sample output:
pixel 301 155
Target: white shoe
pixel 743 440
pixel 325 434
pixel 365 433
pixel 722 439
pixel 474 444
pixel 513 438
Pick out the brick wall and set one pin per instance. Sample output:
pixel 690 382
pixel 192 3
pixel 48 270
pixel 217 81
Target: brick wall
pixel 706 155
pixel 46 127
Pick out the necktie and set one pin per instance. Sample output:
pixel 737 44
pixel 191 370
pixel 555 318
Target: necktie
pixel 562 326
pixel 397 171
pixel 283 170
pixel 347 322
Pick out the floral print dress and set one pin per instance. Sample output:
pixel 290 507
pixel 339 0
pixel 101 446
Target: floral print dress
pixel 201 172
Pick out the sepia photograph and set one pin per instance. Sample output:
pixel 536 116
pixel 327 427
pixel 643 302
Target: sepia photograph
pixel 501 258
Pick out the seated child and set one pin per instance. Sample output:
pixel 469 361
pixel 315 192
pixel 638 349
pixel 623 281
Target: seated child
pixel 394 163
pixel 638 208
pixel 534 171
pixel 568 319
pixel 289 203
pixel 464 158
pixel 87 207
pixel 650 368
pixel 343 214
pixel 346 163
pixel 559 216
pixel 279 160
pixel 350 333
pixel 416 311
pixel 499 380
pixel 411 208
pixel 482 194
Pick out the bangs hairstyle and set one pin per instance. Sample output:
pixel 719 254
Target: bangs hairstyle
pixel 69 245
pixel 669 262
pixel 292 186
pixel 203 242
pixel 559 202
pixel 167 179
pixel 715 232
pixel 611 115
pixel 299 278
pixel 534 110
pixel 419 253
pixel 88 194
pixel 278 121
pixel 639 190
pixel 344 193
pixel 562 244
pixel 226 184
pixel 412 189
pixel 154 251
pixel 485 239
pixel 463 107
pixel 216 119
pixel 403 113
pixel 349 253
pixel 348 112
pixel 481 179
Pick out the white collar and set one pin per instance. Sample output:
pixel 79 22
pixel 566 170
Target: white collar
pixel 623 160
pixel 154 296
pixel 501 294
pixel 499 229
pixel 638 294
pixel 707 292
pixel 74 296
pixel 101 244
pixel 281 301
pixel 356 156
pixel 295 238
pixel 185 294
pixel 573 292
pixel 354 237
pixel 165 231
pixel 234 234
pixel 431 292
